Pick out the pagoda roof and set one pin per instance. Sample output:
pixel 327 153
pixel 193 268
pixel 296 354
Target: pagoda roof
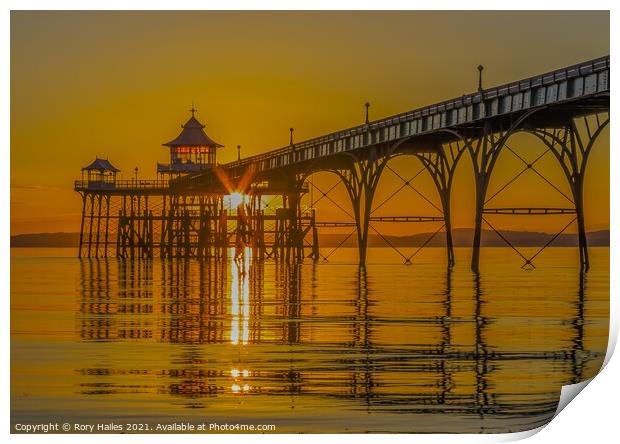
pixel 101 165
pixel 193 134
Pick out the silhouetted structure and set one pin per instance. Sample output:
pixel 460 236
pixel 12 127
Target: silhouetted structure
pixel 191 151
pixel 566 110
pixel 148 218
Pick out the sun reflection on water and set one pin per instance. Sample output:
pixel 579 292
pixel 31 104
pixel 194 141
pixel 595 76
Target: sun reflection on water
pixel 236 386
pixel 240 295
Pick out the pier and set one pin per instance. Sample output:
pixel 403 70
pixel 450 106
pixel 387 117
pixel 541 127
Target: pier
pixel 199 208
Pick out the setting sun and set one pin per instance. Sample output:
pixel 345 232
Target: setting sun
pixel 235 199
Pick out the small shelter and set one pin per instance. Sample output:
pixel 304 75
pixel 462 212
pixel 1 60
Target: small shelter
pixel 100 174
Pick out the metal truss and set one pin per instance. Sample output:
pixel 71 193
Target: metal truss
pixel 570 145
pixel 407 183
pixel 360 181
pixel 528 261
pixel 362 177
pixel 529 211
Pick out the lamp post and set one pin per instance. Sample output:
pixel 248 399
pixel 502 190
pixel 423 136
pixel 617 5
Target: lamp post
pixel 136 172
pixel 480 69
pixel 292 155
pixel 367 105
pixel 238 153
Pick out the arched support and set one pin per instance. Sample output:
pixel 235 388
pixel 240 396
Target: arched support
pixel 484 153
pixel 571 144
pixel 441 163
pixel 361 180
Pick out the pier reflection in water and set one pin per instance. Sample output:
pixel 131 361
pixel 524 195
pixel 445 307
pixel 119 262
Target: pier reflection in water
pixel 328 347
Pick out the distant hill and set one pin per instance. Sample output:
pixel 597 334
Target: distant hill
pixel 462 238
pixel 51 240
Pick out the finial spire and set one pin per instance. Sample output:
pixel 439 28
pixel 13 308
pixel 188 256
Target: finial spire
pixel 193 110
pixel 367 105
pixel 291 130
pixel 480 69
pixel 238 152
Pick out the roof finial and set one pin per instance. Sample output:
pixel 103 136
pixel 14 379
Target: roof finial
pixel 291 130
pixel 367 105
pixel 193 110
pixel 480 69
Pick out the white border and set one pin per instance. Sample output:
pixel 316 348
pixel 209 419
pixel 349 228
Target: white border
pixel 592 418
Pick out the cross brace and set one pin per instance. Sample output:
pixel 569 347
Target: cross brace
pixel 529 211
pixel 384 219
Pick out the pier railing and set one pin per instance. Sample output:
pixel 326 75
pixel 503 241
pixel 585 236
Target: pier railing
pixel 121 185
pixel 570 83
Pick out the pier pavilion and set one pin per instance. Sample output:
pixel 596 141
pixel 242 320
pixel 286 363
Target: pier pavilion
pixel 138 218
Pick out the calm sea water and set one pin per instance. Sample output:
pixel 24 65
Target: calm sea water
pixel 325 347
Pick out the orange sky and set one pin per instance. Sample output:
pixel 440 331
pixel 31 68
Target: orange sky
pixel 119 84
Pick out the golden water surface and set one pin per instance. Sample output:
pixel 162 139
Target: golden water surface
pixel 327 347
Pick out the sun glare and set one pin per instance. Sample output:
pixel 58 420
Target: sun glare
pixel 236 199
